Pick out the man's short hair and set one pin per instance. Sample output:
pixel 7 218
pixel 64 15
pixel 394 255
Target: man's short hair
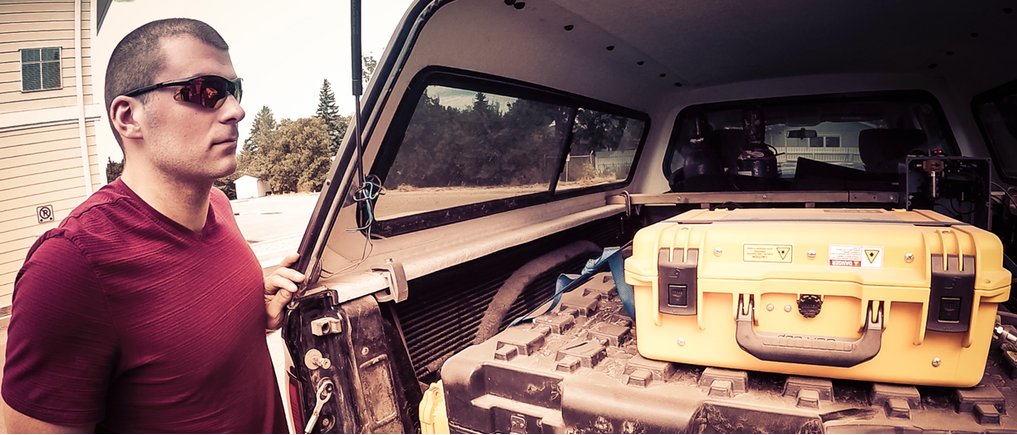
pixel 138 58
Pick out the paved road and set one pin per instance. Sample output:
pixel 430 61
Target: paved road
pixel 274 217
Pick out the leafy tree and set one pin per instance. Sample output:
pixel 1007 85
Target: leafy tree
pixel 113 169
pixel 226 184
pixel 297 158
pixel 370 64
pixel 597 131
pixel 479 146
pixel 329 114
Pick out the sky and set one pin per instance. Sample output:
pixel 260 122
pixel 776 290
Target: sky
pixel 283 50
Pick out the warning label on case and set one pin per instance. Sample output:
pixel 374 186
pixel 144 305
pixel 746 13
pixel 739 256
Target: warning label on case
pixel 870 257
pixel 766 253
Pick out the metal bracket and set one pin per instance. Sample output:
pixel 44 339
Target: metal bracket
pixel 327 325
pixel 628 203
pixel 398 288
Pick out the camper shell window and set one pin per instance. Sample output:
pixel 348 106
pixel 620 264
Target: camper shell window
pixel 473 146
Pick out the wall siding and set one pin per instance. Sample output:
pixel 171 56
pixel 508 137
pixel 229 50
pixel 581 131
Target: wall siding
pixel 41 164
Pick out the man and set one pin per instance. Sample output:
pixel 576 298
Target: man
pixel 146 310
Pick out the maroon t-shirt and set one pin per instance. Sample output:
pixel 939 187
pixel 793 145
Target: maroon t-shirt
pixel 125 319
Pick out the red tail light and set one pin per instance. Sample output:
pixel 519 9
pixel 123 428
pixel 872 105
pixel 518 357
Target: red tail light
pixel 296 404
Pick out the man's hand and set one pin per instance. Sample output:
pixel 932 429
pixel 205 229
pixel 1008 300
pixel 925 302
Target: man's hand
pixel 279 288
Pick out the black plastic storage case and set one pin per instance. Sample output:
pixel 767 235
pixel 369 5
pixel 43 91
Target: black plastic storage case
pixel 577 370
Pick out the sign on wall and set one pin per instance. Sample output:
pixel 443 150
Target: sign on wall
pixel 44 213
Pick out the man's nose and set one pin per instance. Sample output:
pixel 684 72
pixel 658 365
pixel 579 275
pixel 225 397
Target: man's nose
pixel 231 111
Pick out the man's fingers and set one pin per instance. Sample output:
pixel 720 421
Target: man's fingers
pixel 279 300
pixel 275 307
pixel 285 281
pixel 289 260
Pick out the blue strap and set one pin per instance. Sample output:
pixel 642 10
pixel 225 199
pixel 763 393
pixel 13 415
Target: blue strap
pixel 567 282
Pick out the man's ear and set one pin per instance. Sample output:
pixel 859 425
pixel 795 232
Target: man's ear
pixel 125 118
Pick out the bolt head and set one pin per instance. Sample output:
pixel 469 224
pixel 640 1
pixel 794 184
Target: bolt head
pixel 681 341
pixel 787 308
pixel 811 254
pixel 718 251
pixel 936 362
pixel 769 307
pixel 909 257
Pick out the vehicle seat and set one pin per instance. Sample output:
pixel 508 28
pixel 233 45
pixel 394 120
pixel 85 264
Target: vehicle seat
pixel 729 144
pixel 882 149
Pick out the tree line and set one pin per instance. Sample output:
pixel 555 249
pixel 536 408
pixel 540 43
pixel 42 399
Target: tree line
pixel 484 144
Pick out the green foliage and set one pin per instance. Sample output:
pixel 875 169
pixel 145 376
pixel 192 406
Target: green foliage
pixel 597 131
pixel 297 157
pixel 226 185
pixel 329 114
pixel 445 146
pixel 113 169
pixel 264 124
pixel 291 156
pixel 478 143
pixel 370 64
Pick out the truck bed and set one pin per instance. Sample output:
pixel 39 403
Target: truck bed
pixel 576 369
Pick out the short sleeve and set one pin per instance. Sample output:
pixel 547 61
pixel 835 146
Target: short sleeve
pixel 61 343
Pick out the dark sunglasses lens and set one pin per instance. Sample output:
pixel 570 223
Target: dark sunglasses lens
pixel 209 91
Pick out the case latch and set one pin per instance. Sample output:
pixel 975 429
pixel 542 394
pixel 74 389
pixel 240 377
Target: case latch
pixel 952 293
pixel 677 282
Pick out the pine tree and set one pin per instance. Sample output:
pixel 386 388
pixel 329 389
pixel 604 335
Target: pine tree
pixel 264 124
pixel 329 114
pixel 251 160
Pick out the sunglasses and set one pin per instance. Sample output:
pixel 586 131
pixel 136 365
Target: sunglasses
pixel 205 91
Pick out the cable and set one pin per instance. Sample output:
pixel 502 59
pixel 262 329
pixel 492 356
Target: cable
pixel 1006 191
pixel 368 194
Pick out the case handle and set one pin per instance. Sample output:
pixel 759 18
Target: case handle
pixel 809 349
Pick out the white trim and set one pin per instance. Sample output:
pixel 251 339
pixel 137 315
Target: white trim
pixel 79 90
pixel 41 117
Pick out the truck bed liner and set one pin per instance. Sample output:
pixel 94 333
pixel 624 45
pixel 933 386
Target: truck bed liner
pixel 577 370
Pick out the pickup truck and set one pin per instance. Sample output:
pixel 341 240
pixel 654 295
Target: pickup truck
pixel 503 143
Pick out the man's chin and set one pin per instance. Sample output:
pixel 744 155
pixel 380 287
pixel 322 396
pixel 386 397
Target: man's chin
pixel 227 171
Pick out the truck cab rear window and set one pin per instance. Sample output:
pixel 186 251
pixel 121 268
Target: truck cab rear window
pixel 805 143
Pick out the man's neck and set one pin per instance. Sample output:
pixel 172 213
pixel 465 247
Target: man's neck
pixel 184 202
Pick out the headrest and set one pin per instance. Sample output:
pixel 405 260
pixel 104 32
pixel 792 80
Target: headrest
pixel 881 149
pixel 729 144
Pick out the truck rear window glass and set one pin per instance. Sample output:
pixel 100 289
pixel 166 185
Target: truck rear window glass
pixel 602 151
pixel 464 146
pixel 806 139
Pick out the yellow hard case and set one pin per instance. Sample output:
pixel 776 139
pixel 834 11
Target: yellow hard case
pixel 886 296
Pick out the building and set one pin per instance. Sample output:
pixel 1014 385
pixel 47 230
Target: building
pixel 250 187
pixel 48 119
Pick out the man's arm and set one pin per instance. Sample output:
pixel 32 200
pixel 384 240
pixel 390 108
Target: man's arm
pixel 17 422
pixel 279 288
pixel 60 345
